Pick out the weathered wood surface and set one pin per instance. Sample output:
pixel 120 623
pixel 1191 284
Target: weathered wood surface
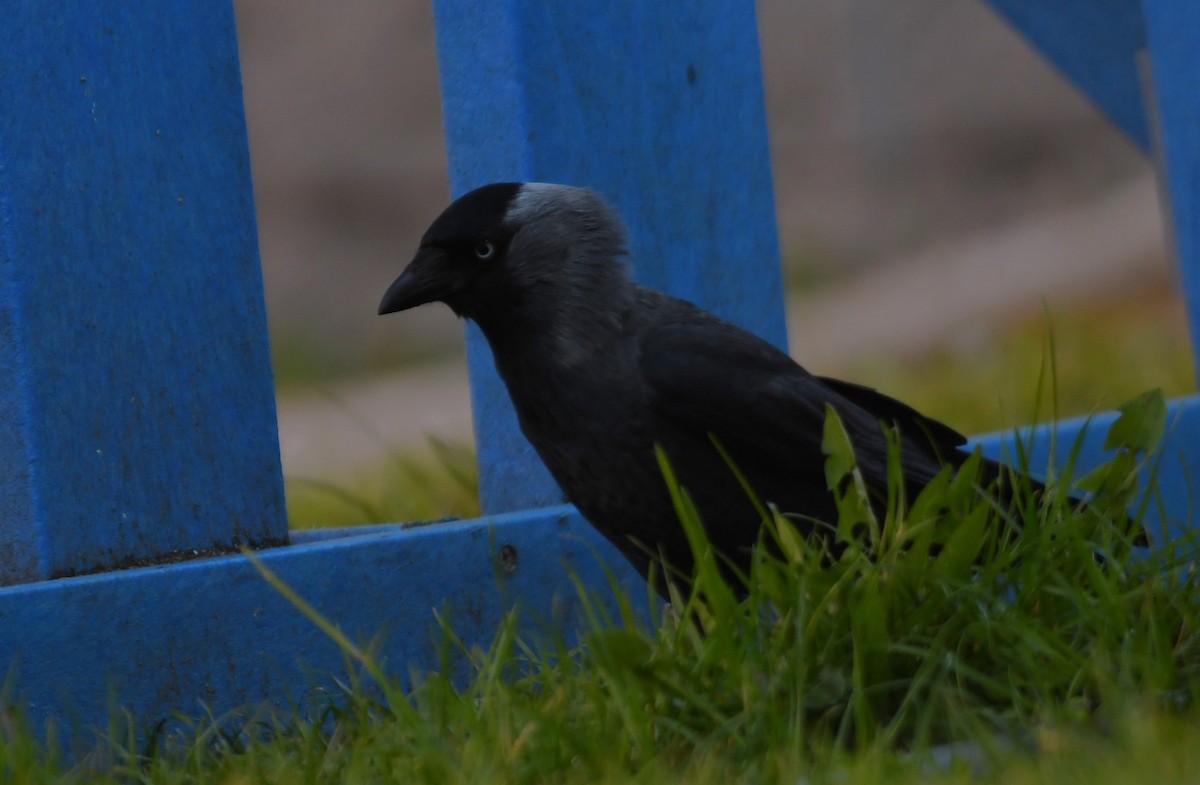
pixel 135 382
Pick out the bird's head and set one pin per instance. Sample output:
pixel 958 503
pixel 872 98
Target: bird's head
pixel 510 243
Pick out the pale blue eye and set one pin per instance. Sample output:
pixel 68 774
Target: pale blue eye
pixel 485 250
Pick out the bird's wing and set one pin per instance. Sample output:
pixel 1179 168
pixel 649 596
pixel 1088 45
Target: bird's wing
pixel 941 436
pixel 713 377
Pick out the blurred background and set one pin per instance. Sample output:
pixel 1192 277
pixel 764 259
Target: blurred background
pixel 917 147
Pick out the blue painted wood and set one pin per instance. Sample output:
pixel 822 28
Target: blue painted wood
pixel 1177 461
pixel 1173 33
pixel 213 634
pixel 1095 44
pixel 135 385
pixel 659 106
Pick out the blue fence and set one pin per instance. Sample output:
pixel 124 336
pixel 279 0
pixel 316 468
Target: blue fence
pixel 136 392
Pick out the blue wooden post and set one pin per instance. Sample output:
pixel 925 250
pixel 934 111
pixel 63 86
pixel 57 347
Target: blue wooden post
pixel 659 106
pixel 1173 40
pixel 135 385
pixel 1095 43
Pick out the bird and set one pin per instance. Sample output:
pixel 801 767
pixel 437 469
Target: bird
pixel 604 373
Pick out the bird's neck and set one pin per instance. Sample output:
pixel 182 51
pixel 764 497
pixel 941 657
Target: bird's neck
pixel 563 329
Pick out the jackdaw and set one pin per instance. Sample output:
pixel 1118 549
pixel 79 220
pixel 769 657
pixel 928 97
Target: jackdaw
pixel 601 369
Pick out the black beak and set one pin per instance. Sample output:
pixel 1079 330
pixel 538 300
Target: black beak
pixel 426 279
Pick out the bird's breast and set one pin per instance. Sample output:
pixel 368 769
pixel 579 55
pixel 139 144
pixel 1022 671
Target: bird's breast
pixel 580 419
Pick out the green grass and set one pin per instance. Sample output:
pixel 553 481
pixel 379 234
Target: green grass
pixel 410 486
pixel 1035 660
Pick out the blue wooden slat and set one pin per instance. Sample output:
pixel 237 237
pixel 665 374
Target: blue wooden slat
pixel 135 387
pixel 213 633
pixel 659 106
pixel 1095 44
pixel 1179 457
pixel 1173 34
